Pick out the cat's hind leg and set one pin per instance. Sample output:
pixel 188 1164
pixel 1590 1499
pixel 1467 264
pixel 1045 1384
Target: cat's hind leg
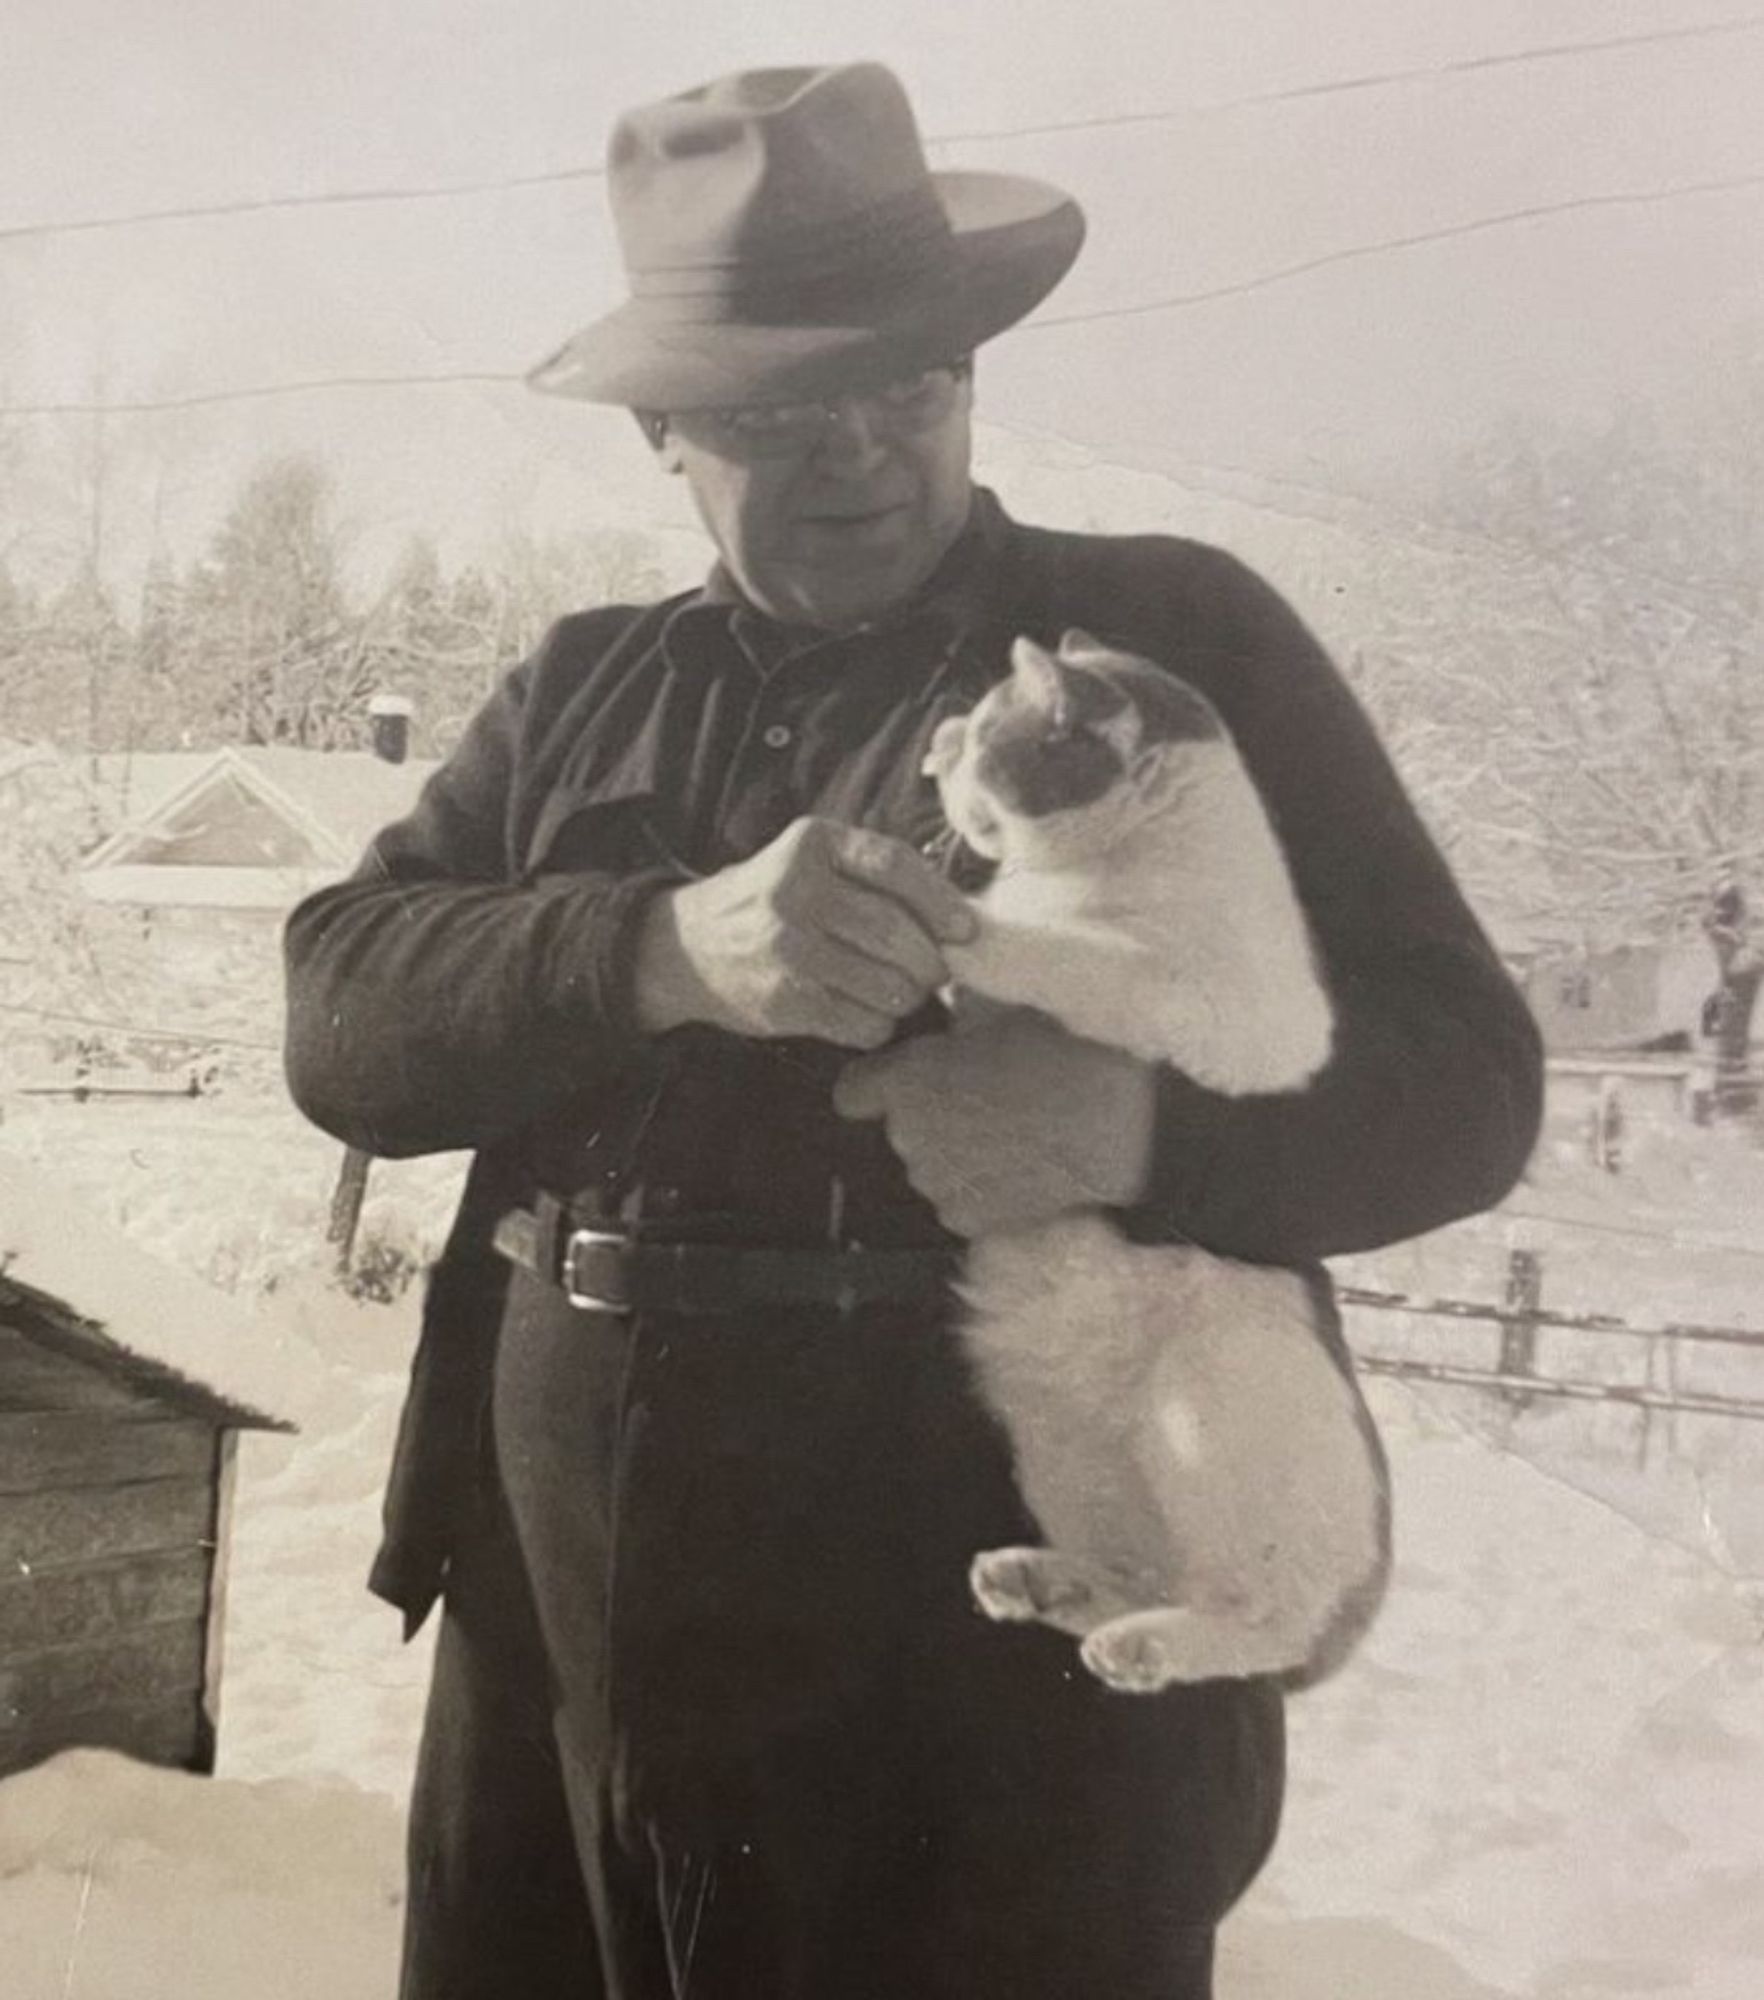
pixel 1144 1651
pixel 1044 1587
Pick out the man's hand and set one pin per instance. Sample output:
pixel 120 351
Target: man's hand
pixel 830 931
pixel 1010 1122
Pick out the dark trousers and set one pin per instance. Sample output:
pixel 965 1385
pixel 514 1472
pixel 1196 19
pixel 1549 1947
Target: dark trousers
pixel 714 1719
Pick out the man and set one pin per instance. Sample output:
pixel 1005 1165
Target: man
pixel 689 1452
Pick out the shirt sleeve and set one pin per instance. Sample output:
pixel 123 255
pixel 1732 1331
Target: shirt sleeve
pixel 436 1000
pixel 1429 1105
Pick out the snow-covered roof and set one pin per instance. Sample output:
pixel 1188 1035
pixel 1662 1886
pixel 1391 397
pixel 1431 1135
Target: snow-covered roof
pixel 109 1303
pixel 334 801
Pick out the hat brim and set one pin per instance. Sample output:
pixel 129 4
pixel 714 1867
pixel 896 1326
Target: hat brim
pixel 1011 241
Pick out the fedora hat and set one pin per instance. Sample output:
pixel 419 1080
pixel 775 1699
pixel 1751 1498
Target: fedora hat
pixel 784 237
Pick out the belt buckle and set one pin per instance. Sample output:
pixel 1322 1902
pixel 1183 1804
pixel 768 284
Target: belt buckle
pixel 577 1280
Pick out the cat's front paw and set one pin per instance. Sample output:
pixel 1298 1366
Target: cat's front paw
pixel 1031 1586
pixel 1133 1655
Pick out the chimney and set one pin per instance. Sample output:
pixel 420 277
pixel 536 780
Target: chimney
pixel 389 726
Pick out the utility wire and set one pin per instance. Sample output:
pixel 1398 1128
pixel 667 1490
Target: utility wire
pixel 1341 507
pixel 262 392
pixel 988 136
pixel 272 203
pixel 1380 80
pixel 1312 502
pixel 1356 252
pixel 1175 301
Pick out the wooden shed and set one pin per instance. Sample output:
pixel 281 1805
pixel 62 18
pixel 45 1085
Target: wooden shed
pixel 116 1463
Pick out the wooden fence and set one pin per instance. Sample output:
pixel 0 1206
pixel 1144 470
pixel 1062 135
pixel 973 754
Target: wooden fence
pixel 1515 1374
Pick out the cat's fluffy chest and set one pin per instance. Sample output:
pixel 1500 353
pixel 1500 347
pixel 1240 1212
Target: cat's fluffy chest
pixel 1181 940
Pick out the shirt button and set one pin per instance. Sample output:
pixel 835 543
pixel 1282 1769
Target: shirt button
pixel 776 736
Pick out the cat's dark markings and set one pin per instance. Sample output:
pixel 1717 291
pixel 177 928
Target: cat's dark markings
pixel 1186 1428
pixel 1043 756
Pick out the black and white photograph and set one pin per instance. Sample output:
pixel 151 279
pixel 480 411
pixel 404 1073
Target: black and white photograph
pixel 881 1082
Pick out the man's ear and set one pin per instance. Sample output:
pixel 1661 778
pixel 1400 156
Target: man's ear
pixel 658 434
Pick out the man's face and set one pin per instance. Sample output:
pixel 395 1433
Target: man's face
pixel 835 520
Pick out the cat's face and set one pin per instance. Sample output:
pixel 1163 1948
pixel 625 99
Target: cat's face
pixel 1066 751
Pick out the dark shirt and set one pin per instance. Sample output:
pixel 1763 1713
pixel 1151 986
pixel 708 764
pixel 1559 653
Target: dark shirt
pixel 469 986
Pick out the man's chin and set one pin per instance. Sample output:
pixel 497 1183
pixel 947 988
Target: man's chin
pixel 850 592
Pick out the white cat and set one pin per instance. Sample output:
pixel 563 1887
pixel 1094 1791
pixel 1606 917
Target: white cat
pixel 1199 1458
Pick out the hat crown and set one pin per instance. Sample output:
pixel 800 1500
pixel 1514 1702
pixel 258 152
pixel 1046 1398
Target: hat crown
pixel 765 166
pixel 784 238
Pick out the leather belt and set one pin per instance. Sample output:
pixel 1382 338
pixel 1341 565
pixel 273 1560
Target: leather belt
pixel 610 1270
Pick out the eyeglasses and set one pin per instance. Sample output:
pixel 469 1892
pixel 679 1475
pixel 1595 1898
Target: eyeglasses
pixel 907 405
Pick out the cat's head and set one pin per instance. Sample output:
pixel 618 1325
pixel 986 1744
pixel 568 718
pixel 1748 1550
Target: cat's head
pixel 1070 751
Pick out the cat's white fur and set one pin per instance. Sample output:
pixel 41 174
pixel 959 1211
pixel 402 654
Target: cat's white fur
pixel 1207 1477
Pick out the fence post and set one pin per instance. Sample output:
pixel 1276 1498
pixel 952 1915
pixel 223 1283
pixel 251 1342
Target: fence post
pixel 1518 1319
pixel 1607 1127
pixel 351 1190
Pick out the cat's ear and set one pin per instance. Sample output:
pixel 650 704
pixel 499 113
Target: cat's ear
pixel 1039 681
pixel 1077 645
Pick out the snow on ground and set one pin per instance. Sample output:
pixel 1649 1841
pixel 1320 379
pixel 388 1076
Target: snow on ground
pixel 316 1683
pixel 1542 1778
pixel 119 1882
pixel 1548 1759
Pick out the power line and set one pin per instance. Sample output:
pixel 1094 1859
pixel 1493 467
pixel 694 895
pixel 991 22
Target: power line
pixel 1171 302
pixel 982 136
pixel 1356 252
pixel 1328 502
pixel 209 399
pixel 266 204
pixel 1378 80
pixel 1336 506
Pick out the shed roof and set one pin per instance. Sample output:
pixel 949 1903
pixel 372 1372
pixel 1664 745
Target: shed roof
pixel 98 1296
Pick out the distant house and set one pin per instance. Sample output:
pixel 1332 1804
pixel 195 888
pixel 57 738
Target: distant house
pixel 250 829
pixel 1625 997
pixel 123 1386
pixel 213 850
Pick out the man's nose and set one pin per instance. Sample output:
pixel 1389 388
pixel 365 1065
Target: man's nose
pixel 853 437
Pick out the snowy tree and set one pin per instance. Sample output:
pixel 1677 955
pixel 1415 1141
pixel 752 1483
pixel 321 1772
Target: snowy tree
pixel 58 950
pixel 1596 672
pixel 19 635
pixel 427 640
pixel 81 659
pixel 447 641
pixel 274 649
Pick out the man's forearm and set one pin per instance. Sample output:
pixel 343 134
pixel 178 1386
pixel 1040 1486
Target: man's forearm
pixel 425 1016
pixel 1427 1113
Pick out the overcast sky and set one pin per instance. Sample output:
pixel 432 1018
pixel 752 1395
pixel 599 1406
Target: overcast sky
pixel 1374 363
